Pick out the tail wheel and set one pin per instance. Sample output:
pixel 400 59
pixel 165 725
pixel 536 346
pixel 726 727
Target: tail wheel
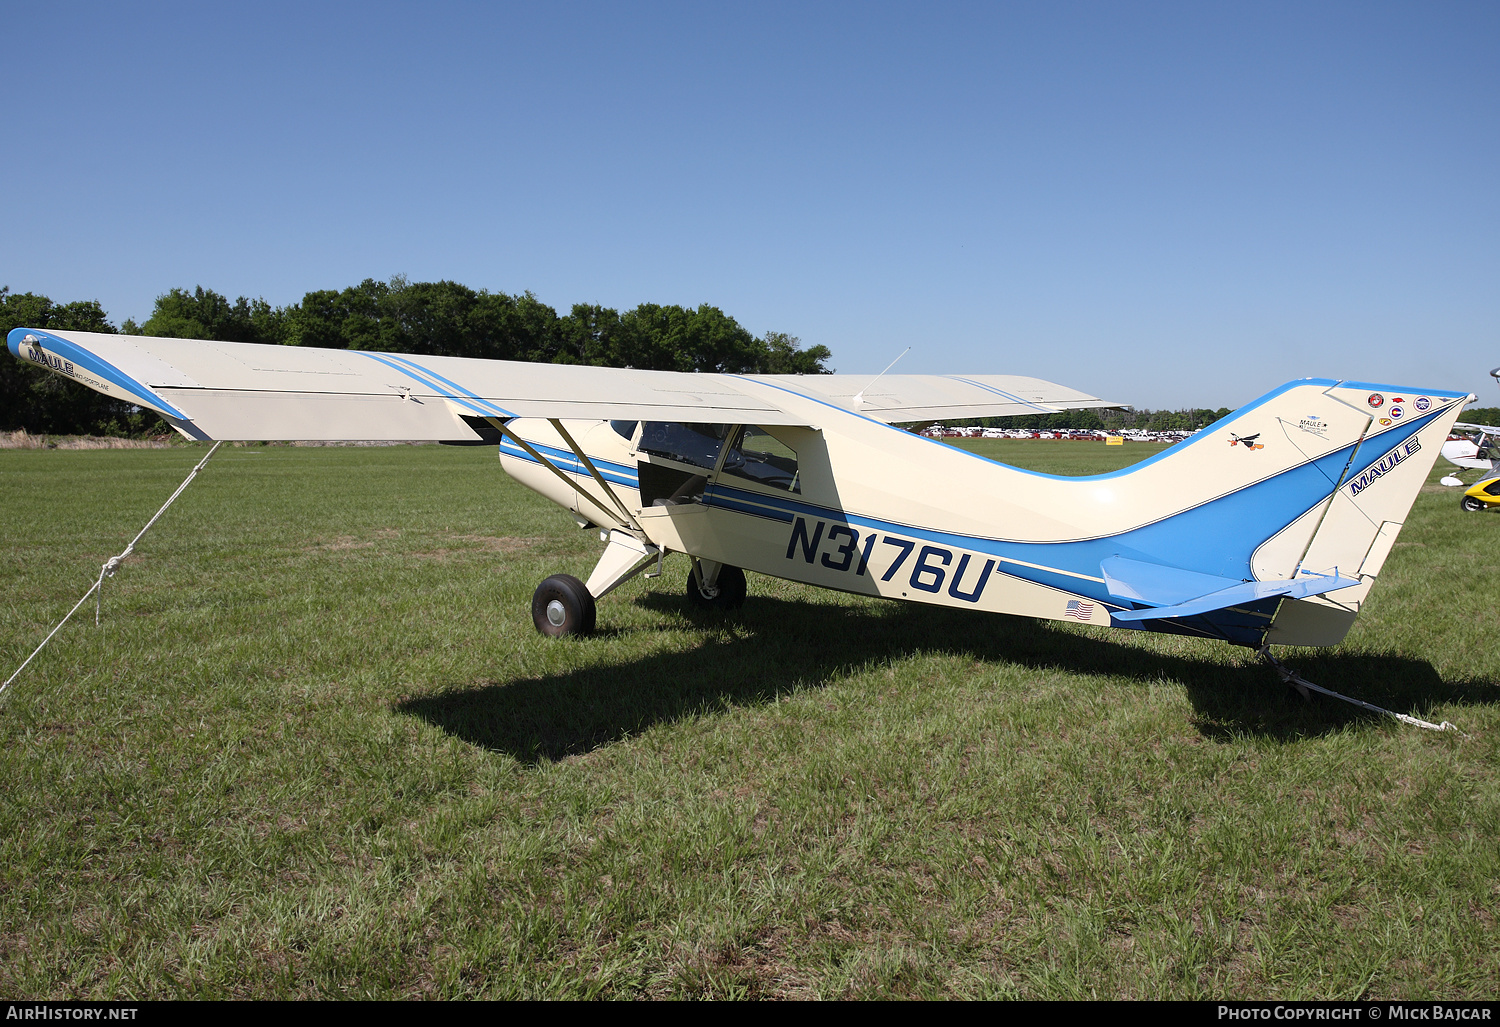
pixel 1471 504
pixel 562 606
pixel 726 593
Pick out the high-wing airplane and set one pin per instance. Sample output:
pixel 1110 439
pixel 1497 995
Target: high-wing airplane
pixel 1269 527
pixel 1479 450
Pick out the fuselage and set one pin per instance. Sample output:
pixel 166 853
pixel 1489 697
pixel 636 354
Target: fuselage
pixel 850 503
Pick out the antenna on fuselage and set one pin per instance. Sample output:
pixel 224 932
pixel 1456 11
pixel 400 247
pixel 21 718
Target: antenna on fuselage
pixel 859 397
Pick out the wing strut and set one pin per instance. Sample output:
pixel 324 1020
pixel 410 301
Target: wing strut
pixel 594 471
pixel 504 430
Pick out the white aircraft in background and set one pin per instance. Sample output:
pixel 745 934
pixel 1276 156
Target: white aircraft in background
pixel 1480 451
pixel 1269 527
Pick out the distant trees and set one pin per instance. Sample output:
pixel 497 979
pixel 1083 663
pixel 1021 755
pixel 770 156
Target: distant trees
pixel 204 314
pixel 452 320
pixel 435 318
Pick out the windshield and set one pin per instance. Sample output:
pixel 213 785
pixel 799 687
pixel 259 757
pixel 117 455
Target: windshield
pixel 696 444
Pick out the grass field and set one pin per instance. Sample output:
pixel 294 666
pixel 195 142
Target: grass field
pixel 317 750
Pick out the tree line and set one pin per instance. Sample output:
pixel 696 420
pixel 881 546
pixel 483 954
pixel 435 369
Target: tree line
pixel 1481 415
pixel 431 318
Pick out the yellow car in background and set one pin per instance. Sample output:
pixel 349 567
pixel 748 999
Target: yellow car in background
pixel 1482 495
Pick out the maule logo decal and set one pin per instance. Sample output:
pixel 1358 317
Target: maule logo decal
pixel 41 356
pixel 36 354
pixel 1383 465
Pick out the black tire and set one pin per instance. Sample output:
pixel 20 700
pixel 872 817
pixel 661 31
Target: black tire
pixel 1471 504
pixel 562 606
pixel 728 592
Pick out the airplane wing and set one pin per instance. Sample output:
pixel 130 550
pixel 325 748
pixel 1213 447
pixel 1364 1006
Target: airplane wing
pixel 243 391
pixel 939 397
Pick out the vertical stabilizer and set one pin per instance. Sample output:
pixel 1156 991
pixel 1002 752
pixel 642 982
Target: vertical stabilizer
pixel 1352 531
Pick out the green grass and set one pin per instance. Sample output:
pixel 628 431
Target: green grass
pixel 316 750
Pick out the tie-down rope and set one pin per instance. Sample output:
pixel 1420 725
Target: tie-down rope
pixel 109 568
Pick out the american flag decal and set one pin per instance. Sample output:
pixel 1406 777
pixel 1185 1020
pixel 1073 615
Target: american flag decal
pixel 1079 610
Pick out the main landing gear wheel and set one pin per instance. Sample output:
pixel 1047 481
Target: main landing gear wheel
pixel 726 593
pixel 562 606
pixel 1471 504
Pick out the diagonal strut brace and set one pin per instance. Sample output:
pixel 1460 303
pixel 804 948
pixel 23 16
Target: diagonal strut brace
pixel 593 471
pixel 531 452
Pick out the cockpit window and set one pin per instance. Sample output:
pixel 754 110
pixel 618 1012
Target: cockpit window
pixel 759 456
pixel 696 444
pixel 624 429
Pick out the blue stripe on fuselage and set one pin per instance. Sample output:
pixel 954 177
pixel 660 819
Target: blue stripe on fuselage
pixel 617 474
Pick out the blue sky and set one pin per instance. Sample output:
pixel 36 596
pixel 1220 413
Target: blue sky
pixel 1164 204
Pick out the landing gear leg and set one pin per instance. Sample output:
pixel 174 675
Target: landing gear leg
pixel 563 605
pixel 716 586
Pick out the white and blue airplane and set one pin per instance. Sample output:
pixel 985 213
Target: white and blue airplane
pixel 1269 527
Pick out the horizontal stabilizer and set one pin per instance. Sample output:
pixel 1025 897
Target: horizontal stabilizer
pixel 1174 592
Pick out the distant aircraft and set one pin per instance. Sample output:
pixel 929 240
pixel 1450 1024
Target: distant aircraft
pixel 1479 451
pixel 805 478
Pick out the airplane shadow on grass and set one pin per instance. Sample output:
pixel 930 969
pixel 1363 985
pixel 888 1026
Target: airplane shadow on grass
pixel 778 646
